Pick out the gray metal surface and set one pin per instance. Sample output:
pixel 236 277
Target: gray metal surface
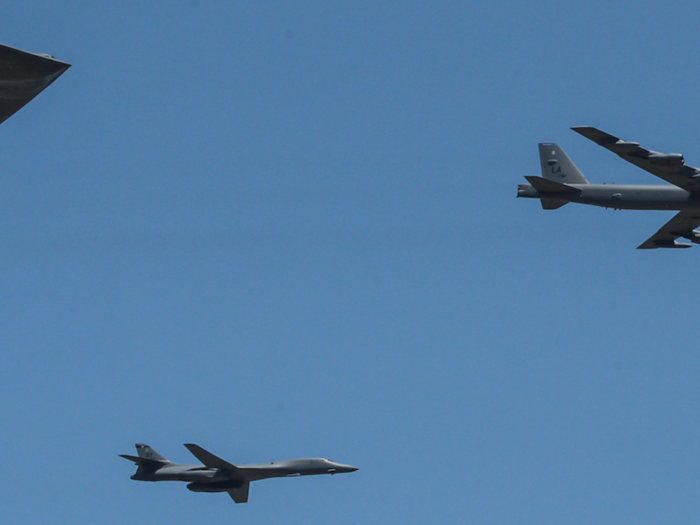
pixel 218 475
pixel 23 76
pixel 562 183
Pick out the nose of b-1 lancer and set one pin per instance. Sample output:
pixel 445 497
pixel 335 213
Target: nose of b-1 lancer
pixel 342 469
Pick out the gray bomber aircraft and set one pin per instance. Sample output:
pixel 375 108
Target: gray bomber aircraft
pixel 217 475
pixel 562 182
pixel 23 76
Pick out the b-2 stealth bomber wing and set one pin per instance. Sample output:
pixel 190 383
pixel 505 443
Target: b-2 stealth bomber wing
pixel 667 166
pixel 23 76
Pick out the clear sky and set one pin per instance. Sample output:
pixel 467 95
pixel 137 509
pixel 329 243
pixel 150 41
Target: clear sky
pixel 287 229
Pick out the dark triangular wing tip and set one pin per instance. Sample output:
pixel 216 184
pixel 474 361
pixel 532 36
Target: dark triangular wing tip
pixel 13 53
pixel 583 129
pixel 65 66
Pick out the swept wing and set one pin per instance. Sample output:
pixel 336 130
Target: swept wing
pixel 681 225
pixel 209 459
pixel 23 76
pixel 670 167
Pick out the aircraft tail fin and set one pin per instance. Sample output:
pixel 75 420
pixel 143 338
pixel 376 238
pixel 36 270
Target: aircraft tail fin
pixel 550 189
pixel 557 166
pixel 146 452
pixel 552 204
pixel 148 461
pixel 550 186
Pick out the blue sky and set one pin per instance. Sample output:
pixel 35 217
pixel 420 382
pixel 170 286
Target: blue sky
pixel 289 229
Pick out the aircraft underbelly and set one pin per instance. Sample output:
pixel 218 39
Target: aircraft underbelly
pixel 621 204
pixel 200 476
pixel 637 198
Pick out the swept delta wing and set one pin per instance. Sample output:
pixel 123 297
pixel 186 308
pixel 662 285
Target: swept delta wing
pixel 23 76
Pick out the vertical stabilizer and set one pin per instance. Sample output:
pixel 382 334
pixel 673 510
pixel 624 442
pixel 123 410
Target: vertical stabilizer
pixel 146 452
pixel 557 166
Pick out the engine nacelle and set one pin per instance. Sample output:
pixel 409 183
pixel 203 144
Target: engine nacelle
pixel 692 236
pixel 669 159
pixel 219 486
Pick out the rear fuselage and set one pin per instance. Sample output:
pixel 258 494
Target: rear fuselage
pixel 621 196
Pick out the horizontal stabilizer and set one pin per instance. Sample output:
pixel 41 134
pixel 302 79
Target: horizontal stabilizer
pixel 552 204
pixel 143 461
pixel 209 459
pixel 650 245
pixel 550 186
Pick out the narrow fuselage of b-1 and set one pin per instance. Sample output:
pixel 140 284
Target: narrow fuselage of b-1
pixel 252 472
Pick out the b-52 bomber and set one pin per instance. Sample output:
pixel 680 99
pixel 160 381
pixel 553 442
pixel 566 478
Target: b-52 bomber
pixel 562 182
pixel 23 76
pixel 217 475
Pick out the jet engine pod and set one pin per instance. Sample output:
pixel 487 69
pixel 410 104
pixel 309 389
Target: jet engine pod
pixel 669 159
pixel 219 486
pixel 692 236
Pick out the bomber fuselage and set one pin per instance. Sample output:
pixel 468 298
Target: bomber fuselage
pixel 218 475
pixel 621 196
pixel 251 472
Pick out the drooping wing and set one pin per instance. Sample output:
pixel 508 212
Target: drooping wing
pixel 23 76
pixel 240 495
pixel 209 459
pixel 670 167
pixel 681 225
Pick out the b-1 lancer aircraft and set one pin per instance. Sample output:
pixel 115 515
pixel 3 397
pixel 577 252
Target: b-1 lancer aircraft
pixel 562 182
pixel 217 475
pixel 23 76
